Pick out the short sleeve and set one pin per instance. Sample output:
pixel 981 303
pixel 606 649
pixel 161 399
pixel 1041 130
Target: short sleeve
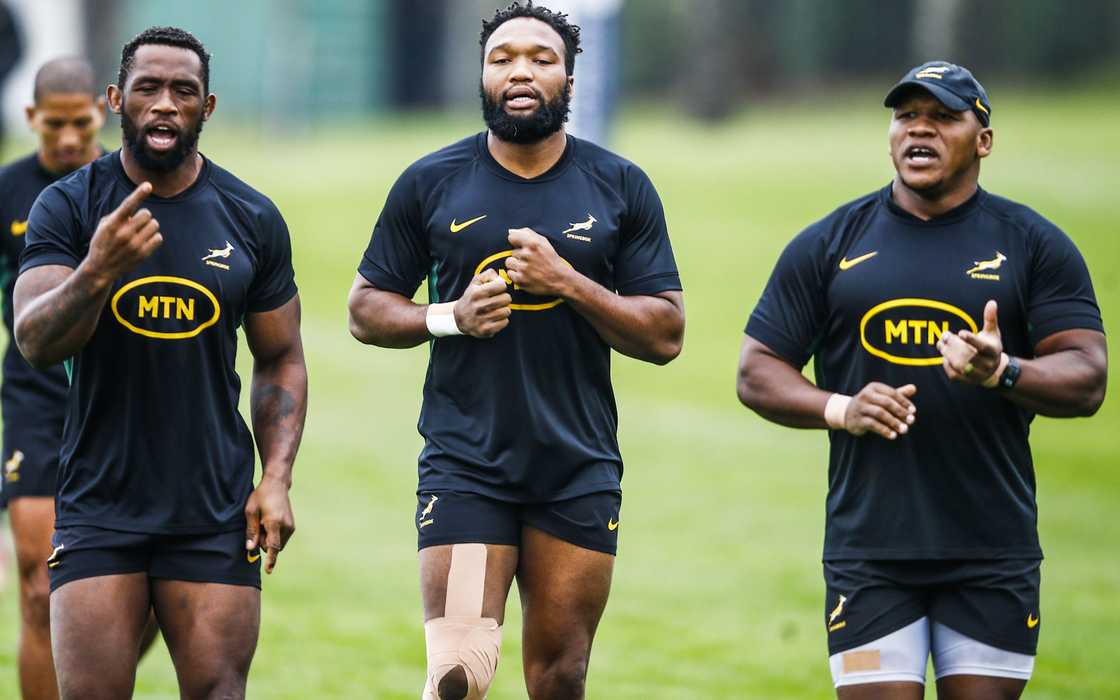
pixel 274 280
pixel 793 308
pixel 1061 294
pixel 397 258
pixel 645 263
pixel 53 232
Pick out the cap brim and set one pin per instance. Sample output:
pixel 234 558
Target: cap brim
pixel 943 95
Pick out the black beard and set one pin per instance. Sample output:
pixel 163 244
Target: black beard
pixel 158 162
pixel 546 120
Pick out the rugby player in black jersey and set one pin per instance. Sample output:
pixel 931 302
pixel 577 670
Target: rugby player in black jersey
pixel 941 319
pixel 138 271
pixel 542 252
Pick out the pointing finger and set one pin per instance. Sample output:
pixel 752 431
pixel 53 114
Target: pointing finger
pixel 132 202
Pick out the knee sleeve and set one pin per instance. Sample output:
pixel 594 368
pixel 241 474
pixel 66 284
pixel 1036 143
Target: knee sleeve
pixel 470 642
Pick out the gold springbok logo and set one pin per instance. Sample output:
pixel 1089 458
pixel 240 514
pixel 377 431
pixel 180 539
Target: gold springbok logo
pixel 11 467
pixel 428 511
pixel 835 614
pixel 992 264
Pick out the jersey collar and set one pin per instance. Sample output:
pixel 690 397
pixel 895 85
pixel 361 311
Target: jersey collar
pixel 954 215
pixel 551 174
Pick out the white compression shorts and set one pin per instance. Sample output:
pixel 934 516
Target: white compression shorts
pixel 902 656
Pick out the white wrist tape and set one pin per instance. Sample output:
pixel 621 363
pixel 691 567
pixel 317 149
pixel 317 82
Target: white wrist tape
pixel 835 410
pixel 441 320
pixel 991 381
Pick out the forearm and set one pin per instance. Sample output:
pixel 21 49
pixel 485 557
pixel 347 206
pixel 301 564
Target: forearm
pixel 386 319
pixel 1065 384
pixel 279 408
pixel 57 312
pixel 649 328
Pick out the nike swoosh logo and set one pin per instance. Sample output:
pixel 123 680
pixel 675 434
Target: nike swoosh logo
pixel 612 525
pixel 1032 622
pixel 846 264
pixel 456 228
pixel 19 228
pixel 251 558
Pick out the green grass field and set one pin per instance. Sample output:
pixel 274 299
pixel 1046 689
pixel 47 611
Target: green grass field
pixel 718 589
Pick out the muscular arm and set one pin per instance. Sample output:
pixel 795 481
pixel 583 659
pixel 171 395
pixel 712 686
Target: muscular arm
pixel 56 311
pixel 649 328
pixel 775 390
pixel 278 396
pixel 1067 378
pixel 778 392
pixel 645 327
pixel 388 319
pixel 57 307
pixel 384 318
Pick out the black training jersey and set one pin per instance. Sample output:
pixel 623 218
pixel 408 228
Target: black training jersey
pixel 154 441
pixel 866 292
pixel 528 415
pixel 25 390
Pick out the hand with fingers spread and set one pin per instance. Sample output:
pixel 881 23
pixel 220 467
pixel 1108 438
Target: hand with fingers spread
pixel 881 409
pixel 535 266
pixel 124 238
pixel 974 358
pixel 269 519
pixel 484 309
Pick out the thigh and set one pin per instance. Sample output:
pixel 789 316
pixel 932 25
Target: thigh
pixel 468 554
pixel 564 590
pixel 96 627
pixel 32 527
pixel 211 633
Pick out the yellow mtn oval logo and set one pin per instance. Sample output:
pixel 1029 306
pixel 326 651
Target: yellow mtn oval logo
pixel 905 331
pixel 165 308
pixel 522 301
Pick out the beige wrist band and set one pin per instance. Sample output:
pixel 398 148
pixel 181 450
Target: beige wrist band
pixel 835 410
pixel 440 319
pixel 993 380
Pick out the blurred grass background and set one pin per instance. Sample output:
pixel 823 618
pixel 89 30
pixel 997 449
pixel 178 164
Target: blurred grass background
pixel 718 589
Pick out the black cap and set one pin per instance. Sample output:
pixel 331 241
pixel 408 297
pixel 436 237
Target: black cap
pixel 954 86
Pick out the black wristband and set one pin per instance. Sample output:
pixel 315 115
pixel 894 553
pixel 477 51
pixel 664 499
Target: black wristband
pixel 1010 375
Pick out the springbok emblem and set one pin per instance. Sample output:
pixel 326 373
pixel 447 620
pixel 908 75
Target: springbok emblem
pixel 992 264
pixel 219 252
pixel 583 225
pixel 428 511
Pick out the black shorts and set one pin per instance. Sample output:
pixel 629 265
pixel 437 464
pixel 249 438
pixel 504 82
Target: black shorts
pixel 30 457
pixel 456 517
pixel 82 551
pixel 992 601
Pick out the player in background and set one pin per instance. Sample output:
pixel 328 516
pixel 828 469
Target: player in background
pixel 138 270
pixel 542 253
pixel 941 319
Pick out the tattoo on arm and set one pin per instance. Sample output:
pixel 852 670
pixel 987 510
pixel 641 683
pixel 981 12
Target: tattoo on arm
pixel 272 404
